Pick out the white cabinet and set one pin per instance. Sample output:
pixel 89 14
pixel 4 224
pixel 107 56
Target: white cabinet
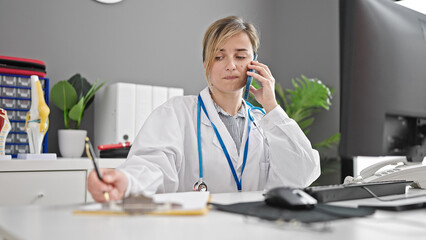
pixel 43 188
pixel 47 182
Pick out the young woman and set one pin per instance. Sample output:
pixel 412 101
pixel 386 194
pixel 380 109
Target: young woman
pixel 216 141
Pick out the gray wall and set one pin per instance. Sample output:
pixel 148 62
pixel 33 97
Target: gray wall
pixel 158 42
pixel 307 42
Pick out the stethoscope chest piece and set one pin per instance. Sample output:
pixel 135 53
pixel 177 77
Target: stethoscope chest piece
pixel 200 186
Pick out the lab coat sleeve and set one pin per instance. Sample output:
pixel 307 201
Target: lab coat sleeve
pixel 156 155
pixel 292 160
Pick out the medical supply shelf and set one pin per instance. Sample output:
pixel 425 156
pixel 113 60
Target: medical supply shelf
pixel 15 98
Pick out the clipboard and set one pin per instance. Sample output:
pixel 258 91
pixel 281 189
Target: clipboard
pixel 182 203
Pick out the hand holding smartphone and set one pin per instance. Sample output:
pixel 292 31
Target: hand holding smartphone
pixel 249 79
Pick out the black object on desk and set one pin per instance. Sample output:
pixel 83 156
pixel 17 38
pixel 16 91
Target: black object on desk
pixel 115 153
pixel 353 191
pixel 396 207
pixel 286 197
pixel 320 213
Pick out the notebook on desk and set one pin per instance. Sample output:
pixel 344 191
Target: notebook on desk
pixel 182 203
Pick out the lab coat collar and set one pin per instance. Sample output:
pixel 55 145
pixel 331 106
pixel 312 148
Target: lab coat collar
pixel 226 137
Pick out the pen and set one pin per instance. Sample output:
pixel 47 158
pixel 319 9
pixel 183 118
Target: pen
pixel 91 154
pixel 113 146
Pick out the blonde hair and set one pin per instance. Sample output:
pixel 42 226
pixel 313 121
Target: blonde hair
pixel 218 33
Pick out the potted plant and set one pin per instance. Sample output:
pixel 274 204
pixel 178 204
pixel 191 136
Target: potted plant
pixel 73 96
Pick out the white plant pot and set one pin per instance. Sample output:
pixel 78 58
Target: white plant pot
pixel 71 142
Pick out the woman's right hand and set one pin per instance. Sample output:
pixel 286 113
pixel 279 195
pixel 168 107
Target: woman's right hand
pixel 115 183
pixel 266 94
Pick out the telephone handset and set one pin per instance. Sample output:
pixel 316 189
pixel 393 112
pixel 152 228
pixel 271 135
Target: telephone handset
pixel 415 172
pixel 249 80
pixel 371 170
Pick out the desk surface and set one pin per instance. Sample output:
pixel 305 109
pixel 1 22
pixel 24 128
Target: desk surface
pixel 35 222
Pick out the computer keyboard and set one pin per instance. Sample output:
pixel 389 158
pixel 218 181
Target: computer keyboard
pixel 341 192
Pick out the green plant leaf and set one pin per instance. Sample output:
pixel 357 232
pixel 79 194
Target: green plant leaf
pixel 76 112
pixel 80 84
pixel 305 124
pixel 307 98
pixel 91 93
pixel 63 95
pixel 329 142
pixel 255 84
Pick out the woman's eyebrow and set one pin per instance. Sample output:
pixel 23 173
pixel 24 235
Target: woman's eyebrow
pixel 236 50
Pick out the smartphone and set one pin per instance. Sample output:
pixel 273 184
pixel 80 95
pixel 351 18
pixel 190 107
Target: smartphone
pixel 249 79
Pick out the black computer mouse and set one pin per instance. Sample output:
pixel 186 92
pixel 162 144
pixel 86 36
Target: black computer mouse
pixel 291 198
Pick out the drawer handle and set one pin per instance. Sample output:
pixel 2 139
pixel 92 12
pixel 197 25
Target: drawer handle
pixel 39 195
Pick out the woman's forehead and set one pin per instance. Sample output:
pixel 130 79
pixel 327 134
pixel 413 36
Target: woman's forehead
pixel 237 43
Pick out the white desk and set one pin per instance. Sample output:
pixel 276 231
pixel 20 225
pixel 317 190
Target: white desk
pixel 38 222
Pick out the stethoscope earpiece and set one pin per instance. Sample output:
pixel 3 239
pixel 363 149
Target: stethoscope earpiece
pixel 200 186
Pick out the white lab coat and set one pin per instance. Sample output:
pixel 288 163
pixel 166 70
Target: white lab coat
pixel 164 155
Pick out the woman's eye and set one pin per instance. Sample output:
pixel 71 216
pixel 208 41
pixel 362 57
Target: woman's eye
pixel 219 58
pixel 241 57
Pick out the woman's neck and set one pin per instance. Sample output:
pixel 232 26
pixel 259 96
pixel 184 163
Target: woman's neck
pixel 229 102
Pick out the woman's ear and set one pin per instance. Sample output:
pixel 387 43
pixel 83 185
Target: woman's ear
pixel 204 64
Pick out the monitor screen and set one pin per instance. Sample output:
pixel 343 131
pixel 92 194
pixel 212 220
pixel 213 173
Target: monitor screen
pixel 383 78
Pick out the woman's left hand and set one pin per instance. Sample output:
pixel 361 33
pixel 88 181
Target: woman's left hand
pixel 266 94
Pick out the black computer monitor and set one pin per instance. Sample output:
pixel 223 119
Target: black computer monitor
pixel 383 80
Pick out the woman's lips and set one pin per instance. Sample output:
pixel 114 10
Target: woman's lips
pixel 230 77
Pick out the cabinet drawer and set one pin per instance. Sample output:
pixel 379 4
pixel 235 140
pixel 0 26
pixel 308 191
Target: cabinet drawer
pixel 43 187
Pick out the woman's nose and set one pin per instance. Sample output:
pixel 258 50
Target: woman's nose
pixel 230 65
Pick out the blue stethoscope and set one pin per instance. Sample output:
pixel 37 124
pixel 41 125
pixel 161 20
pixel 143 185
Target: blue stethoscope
pixel 200 185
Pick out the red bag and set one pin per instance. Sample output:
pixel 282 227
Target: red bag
pixel 22 66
